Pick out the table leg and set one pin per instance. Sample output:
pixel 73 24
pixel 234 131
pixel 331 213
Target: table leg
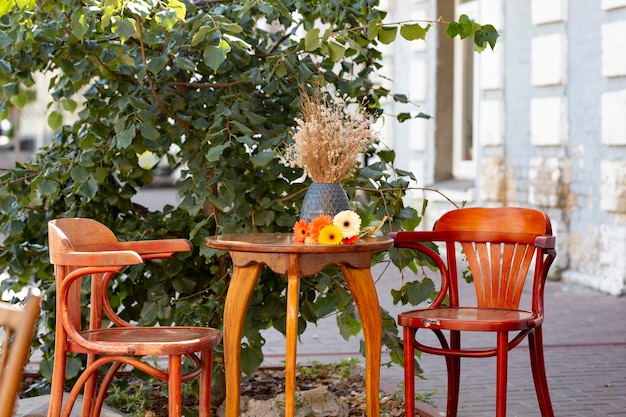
pixel 240 290
pixel 363 291
pixel 293 295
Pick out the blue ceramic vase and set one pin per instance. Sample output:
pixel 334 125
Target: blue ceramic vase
pixel 322 198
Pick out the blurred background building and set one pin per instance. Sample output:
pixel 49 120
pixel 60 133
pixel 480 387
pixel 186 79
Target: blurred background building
pixel 538 122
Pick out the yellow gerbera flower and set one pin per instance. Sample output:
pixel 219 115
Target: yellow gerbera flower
pixel 330 235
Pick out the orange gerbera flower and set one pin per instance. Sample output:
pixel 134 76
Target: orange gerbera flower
pixel 300 231
pixel 316 225
pixel 330 235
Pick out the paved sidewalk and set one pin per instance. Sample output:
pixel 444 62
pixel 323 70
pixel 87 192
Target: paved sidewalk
pixel 585 353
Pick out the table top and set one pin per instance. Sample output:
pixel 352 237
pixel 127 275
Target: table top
pixel 285 243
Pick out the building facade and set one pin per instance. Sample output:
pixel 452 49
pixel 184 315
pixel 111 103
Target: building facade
pixel 538 122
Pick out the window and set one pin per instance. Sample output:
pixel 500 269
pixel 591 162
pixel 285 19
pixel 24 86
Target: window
pixel 463 166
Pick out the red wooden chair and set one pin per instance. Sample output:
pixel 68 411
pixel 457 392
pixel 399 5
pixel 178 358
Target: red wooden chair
pixel 18 324
pixel 84 247
pixel 500 245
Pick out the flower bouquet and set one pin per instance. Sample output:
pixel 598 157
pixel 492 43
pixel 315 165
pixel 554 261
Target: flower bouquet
pixel 327 140
pixel 344 228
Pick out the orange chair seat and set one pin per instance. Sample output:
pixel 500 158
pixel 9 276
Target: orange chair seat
pixel 469 319
pixel 149 340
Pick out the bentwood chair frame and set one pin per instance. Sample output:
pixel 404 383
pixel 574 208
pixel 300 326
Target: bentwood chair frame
pixel 499 245
pixel 84 247
pixel 19 324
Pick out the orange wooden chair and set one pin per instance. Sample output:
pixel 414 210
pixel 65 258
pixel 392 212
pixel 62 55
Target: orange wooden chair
pixel 18 324
pixel 84 247
pixel 499 245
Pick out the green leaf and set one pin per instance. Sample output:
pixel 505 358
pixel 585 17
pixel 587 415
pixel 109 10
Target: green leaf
pixel 216 151
pixel 125 137
pixel 452 30
pixel 214 56
pixel 312 40
pixel 403 117
pixel 149 131
pixel 79 26
pixel 79 174
pixel 179 8
pixel 251 359
pixel 157 63
pixel 487 34
pixel 348 325
pixel 101 174
pixel 262 159
pixel 372 29
pixel 89 188
pixel 48 187
pixel 387 34
pixel 337 52
pixel 201 34
pixel 412 32
pixel 55 120
pixel 149 312
pixel 387 156
pixel 418 292
pixel 125 29
pixel 184 285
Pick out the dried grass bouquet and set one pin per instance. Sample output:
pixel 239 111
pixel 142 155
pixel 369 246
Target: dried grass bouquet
pixel 328 138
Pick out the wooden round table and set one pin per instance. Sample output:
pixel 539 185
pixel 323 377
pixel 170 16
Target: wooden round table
pixel 279 251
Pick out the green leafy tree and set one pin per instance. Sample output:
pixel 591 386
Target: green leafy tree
pixel 212 87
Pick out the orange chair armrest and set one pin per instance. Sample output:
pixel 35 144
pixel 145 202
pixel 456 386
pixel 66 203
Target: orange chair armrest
pixel 104 258
pixel 147 247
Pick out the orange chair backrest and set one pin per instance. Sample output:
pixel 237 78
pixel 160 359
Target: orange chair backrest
pixel 66 237
pixel 18 324
pixel 76 234
pixel 498 244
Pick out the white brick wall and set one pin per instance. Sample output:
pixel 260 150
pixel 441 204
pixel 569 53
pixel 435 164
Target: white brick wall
pixel 546 182
pixel 491 12
pixel 612 4
pixel 548 11
pixel 613 47
pixel 418 130
pixel 548 126
pixel 490 64
pixel 614 118
pixel 490 124
pixel 419 81
pixel 613 189
pixel 548 60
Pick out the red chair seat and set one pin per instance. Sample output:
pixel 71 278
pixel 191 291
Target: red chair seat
pixel 468 318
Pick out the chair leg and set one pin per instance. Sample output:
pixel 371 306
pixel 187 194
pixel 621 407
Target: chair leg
pixel 58 379
pixel 205 384
pixel 502 368
pixel 89 390
pixel 409 371
pixel 453 363
pixel 537 364
pixel 104 388
pixel 174 386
